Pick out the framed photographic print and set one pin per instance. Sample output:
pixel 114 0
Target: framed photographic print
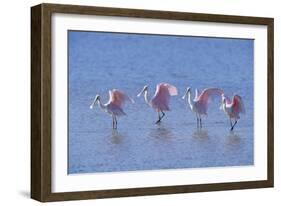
pixel 129 102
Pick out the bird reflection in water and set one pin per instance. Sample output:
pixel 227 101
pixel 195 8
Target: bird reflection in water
pixel 161 132
pixel 116 137
pixel 201 134
pixel 233 139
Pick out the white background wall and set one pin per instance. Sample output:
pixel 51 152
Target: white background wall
pixel 15 102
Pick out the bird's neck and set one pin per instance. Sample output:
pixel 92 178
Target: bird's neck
pixel 224 106
pixel 189 99
pixel 101 105
pixel 146 97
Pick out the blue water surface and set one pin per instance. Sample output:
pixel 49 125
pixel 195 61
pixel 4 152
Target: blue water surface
pixel 100 61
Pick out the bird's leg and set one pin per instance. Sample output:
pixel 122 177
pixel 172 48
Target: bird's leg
pixel 197 119
pixel 159 118
pixel 163 114
pixel 115 123
pixel 233 125
pixel 230 122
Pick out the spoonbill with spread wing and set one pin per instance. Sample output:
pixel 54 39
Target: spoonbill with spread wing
pixel 161 99
pixel 199 105
pixel 114 106
pixel 233 108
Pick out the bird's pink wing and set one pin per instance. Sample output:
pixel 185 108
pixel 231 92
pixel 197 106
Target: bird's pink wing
pixel 118 97
pixel 209 93
pixel 238 105
pixel 162 96
pixel 165 90
pixel 172 89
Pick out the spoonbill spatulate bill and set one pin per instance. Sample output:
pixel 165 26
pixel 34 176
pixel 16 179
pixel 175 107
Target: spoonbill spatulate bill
pixel 114 106
pixel 161 99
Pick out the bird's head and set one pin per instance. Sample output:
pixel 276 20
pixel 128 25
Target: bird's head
pixel 188 90
pixel 97 98
pixel 145 88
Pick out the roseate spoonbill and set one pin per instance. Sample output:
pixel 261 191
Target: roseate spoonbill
pixel 233 108
pixel 113 107
pixel 199 105
pixel 160 100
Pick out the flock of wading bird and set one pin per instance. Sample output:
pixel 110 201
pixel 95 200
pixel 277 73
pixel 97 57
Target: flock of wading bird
pixel 160 102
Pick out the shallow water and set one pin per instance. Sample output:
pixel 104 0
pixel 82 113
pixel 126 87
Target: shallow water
pixel 102 61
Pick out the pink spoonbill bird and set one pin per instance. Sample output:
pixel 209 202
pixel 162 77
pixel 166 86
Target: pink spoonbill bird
pixel 160 100
pixel 233 108
pixel 199 105
pixel 113 107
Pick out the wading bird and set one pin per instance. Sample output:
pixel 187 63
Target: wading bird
pixel 114 105
pixel 160 100
pixel 233 108
pixel 199 105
